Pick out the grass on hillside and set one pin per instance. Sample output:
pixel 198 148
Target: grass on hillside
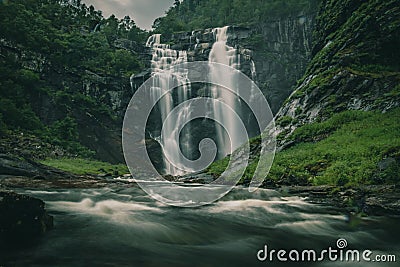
pixel 352 147
pixel 81 166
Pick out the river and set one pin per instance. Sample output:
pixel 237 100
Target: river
pixel 122 226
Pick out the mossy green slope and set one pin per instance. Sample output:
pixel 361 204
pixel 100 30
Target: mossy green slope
pixel 352 147
pixel 355 61
pixel 82 166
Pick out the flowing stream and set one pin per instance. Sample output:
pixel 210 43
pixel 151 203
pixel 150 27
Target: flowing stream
pixel 122 226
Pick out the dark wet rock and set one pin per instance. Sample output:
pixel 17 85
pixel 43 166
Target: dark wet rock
pixel 17 172
pixel 69 181
pixel 307 190
pixel 370 200
pixel 22 219
pixel 384 201
pixel 11 165
pixel 129 45
pixel 155 153
pixel 200 178
pixel 386 163
pixel 29 146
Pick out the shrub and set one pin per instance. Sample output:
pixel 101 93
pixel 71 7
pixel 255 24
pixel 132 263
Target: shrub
pixel 284 121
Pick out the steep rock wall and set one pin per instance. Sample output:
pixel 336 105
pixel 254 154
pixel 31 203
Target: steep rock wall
pixel 96 102
pixel 279 49
pixel 354 65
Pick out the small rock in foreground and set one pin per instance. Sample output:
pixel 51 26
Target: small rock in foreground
pixel 22 219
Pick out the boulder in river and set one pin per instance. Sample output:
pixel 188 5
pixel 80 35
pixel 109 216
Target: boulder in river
pixel 22 219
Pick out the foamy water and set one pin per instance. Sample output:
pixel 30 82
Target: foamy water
pixel 125 227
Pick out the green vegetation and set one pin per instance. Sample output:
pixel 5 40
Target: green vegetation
pixel 319 130
pixel 200 14
pixel 373 53
pixel 373 70
pixel 64 133
pixel 353 58
pixel 47 48
pixel 81 166
pixel 355 143
pixel 70 35
pixel 343 150
pixel 284 121
pixel 218 167
pixel 395 92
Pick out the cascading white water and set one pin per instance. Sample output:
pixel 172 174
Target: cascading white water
pixel 253 77
pixel 224 54
pixel 163 58
pixel 153 39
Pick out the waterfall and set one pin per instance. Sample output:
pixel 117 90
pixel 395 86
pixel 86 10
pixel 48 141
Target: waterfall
pixel 163 58
pixel 96 28
pixel 253 77
pixel 224 54
pixel 154 39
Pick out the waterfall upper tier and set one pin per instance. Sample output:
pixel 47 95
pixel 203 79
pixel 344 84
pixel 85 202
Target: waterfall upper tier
pixel 279 49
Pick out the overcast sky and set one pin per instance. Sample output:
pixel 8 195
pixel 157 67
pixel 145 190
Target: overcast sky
pixel 143 12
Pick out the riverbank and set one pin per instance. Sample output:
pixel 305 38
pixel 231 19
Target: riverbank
pixel 381 200
pixel 377 200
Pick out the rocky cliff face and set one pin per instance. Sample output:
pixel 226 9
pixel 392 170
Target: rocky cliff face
pixel 281 56
pixel 274 53
pixel 99 129
pixel 354 65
